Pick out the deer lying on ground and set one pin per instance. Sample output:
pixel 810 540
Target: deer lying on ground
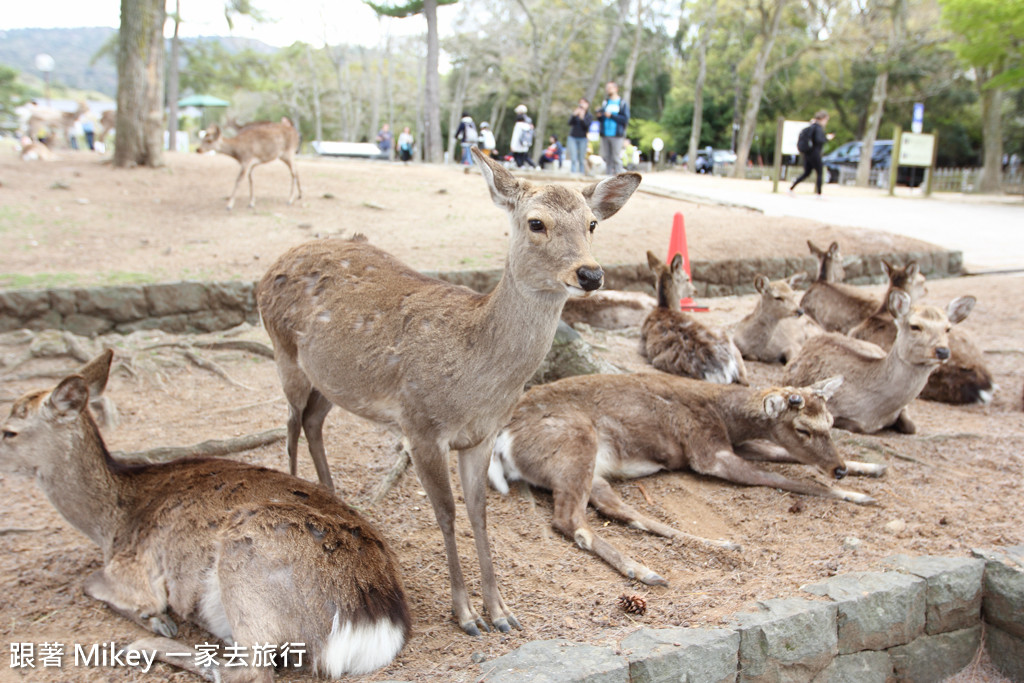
pixel 353 326
pixel 878 386
pixel 754 334
pixel 964 378
pixel 574 435
pixel 678 343
pixel 108 121
pixel 252 555
pixel 254 146
pixel 837 307
pixel 609 309
pixel 57 123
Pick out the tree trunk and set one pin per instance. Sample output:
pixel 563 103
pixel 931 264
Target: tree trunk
pixel 879 93
pixel 756 91
pixel 992 136
pixel 455 115
pixel 606 55
pixel 140 84
pixel 173 83
pixel 318 125
pixel 698 94
pixel 634 54
pixel 432 93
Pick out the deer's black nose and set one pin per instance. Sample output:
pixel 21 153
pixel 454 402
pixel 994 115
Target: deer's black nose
pixel 589 278
pixel 942 352
pixel 839 472
pixel 799 312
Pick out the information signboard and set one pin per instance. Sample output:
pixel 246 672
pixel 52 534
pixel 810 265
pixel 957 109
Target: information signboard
pixel 916 149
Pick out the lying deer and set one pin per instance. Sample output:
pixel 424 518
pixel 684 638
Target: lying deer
pixel 964 378
pixel 878 386
pixel 355 327
pixel 574 435
pixel 252 555
pixel 835 306
pixel 676 342
pixel 254 146
pixel 754 334
pixel 609 309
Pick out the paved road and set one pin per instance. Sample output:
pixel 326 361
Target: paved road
pixel 990 232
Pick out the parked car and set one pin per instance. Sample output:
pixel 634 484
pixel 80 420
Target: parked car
pixel 718 157
pixel 847 155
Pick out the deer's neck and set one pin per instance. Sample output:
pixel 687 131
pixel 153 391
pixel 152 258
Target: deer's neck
pixel 83 487
pixel 743 414
pixel 899 376
pixel 228 146
pixel 757 327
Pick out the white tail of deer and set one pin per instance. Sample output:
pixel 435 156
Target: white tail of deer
pixel 574 435
pixel 442 365
pixel 678 343
pixel 255 145
pixel 878 386
pixel 252 555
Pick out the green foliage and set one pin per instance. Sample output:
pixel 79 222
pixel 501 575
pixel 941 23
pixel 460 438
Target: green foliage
pixel 643 131
pixel 405 9
pixel 989 36
pixel 13 94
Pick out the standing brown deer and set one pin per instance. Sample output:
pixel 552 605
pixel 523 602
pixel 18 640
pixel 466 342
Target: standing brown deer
pixel 253 146
pixel 678 343
pixel 574 435
pixel 441 364
pixel 252 555
pixel 835 306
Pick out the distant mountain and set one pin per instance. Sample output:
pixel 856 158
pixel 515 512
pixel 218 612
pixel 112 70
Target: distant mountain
pixel 72 50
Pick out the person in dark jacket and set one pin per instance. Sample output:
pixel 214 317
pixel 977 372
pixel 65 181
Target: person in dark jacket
pixel 812 158
pixel 579 124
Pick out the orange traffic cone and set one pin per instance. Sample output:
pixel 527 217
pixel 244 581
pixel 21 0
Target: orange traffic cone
pixel 677 245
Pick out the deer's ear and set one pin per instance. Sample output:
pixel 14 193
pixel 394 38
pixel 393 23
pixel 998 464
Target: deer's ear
pixel 761 284
pixel 505 188
pixel 887 268
pixel 653 262
pixel 69 398
pixel 899 304
pixel 912 270
pixel 608 196
pixel 96 372
pixel 827 388
pixel 959 308
pixel 774 405
pixel 815 250
pixel 797 280
pixel 833 248
pixel 677 263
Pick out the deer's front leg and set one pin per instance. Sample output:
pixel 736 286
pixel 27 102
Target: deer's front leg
pixel 473 473
pixel 431 462
pixel 903 423
pixel 127 592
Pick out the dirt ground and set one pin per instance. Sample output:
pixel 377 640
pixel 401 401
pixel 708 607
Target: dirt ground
pixel 952 487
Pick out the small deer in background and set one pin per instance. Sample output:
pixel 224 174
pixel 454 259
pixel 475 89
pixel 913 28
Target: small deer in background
pixel 252 555
pixel 439 363
pixel 754 334
pixel 880 328
pixel 253 146
pixel 678 343
pixel 837 307
pixel 878 386
pixel 574 435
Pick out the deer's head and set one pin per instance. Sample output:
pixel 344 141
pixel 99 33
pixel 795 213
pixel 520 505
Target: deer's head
pixel 922 332
pixel 208 139
pixel 553 226
pixel 908 278
pixel 830 262
pixel 778 300
pixel 671 283
pixel 800 422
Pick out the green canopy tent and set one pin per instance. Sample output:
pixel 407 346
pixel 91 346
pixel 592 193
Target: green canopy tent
pixel 203 102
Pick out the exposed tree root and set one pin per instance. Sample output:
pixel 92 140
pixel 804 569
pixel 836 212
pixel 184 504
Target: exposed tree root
pixel 210 448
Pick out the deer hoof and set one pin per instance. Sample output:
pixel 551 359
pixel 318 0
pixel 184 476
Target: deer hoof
pixel 162 625
pixel 506 624
pixel 653 579
pixel 474 626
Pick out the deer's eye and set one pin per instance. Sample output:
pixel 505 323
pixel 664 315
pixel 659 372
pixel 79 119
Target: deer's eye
pixel 803 432
pixel 8 434
pixel 915 328
pixel 593 224
pixel 537 225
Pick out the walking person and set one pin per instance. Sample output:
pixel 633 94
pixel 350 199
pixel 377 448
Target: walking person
pixel 614 117
pixel 488 145
pixel 579 124
pixel 467 137
pixel 522 138
pixel 811 143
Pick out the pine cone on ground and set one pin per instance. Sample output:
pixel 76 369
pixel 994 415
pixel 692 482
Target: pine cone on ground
pixel 633 604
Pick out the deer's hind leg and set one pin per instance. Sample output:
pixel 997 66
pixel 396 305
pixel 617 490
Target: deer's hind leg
pixel 307 409
pixel 296 188
pixel 608 503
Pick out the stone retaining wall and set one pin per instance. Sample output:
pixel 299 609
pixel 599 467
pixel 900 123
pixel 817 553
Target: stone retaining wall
pixel 921 620
pixel 190 307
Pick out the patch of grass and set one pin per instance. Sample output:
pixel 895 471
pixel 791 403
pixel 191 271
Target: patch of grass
pixel 11 217
pixel 56 280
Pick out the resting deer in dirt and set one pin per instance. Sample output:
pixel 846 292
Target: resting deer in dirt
pixel 57 123
pixel 441 364
pixel 878 386
pixel 753 335
pixel 677 342
pixel 252 555
pixel 254 146
pixel 574 435
pixel 835 306
pixel 609 309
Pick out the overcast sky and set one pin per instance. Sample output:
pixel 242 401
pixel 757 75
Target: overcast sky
pixel 311 21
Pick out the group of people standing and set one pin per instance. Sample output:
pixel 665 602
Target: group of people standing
pixel 612 118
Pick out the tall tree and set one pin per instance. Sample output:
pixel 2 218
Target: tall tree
pixel 706 21
pixel 173 81
pixel 140 84
pixel 601 68
pixel 988 38
pixel 432 88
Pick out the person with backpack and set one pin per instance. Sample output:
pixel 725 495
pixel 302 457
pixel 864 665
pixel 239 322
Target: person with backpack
pixel 487 143
pixel 811 143
pixel 522 138
pixel 614 118
pixel 467 137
